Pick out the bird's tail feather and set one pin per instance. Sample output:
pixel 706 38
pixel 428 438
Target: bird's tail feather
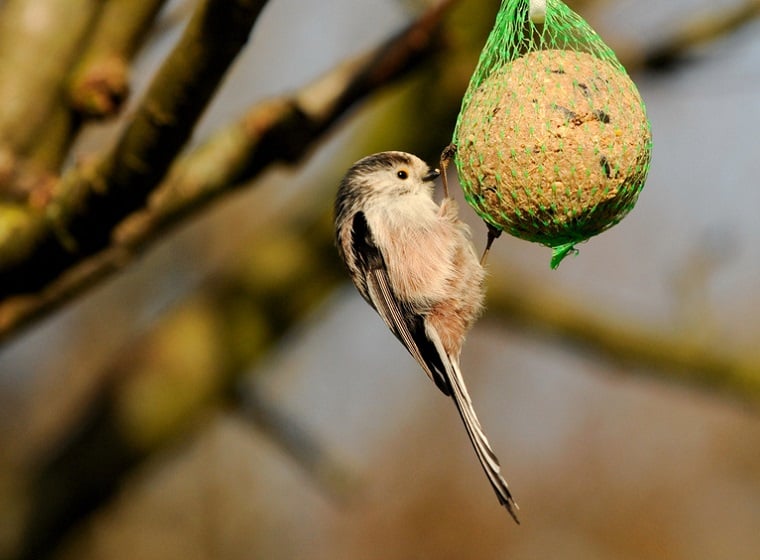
pixel 486 456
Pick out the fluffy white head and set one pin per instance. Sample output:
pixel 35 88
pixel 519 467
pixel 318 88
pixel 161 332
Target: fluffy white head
pixel 384 176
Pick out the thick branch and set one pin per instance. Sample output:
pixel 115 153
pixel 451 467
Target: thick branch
pixel 276 130
pixel 90 202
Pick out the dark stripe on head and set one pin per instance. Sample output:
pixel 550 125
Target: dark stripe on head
pixel 377 162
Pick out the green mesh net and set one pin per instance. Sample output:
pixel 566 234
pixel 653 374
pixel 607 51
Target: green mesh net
pixel 552 141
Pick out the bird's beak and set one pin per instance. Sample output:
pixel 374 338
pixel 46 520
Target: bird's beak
pixel 432 175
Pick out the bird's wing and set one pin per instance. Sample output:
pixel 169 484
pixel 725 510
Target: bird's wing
pixel 483 450
pixel 404 323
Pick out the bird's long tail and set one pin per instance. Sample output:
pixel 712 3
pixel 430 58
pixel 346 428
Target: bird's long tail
pixel 486 456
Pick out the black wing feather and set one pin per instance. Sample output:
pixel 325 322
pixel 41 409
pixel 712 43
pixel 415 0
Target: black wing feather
pixel 407 325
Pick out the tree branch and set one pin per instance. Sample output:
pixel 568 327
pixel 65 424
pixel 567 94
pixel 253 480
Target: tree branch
pixel 276 130
pixel 667 355
pixel 91 200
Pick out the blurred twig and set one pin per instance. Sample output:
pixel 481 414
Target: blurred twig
pixel 693 32
pixel 669 355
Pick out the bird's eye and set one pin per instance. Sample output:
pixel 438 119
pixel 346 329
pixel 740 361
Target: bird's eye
pixel 402 174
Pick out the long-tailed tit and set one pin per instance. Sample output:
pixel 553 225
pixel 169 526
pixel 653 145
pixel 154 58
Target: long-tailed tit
pixel 413 262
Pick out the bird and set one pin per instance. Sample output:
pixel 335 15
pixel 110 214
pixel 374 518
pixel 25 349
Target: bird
pixel 412 260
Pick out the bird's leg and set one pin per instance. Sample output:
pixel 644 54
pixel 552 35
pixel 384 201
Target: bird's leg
pixel 446 156
pixel 493 233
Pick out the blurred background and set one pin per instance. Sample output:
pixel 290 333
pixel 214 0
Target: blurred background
pixel 229 395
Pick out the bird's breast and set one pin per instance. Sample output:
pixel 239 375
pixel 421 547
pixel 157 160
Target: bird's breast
pixel 419 253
